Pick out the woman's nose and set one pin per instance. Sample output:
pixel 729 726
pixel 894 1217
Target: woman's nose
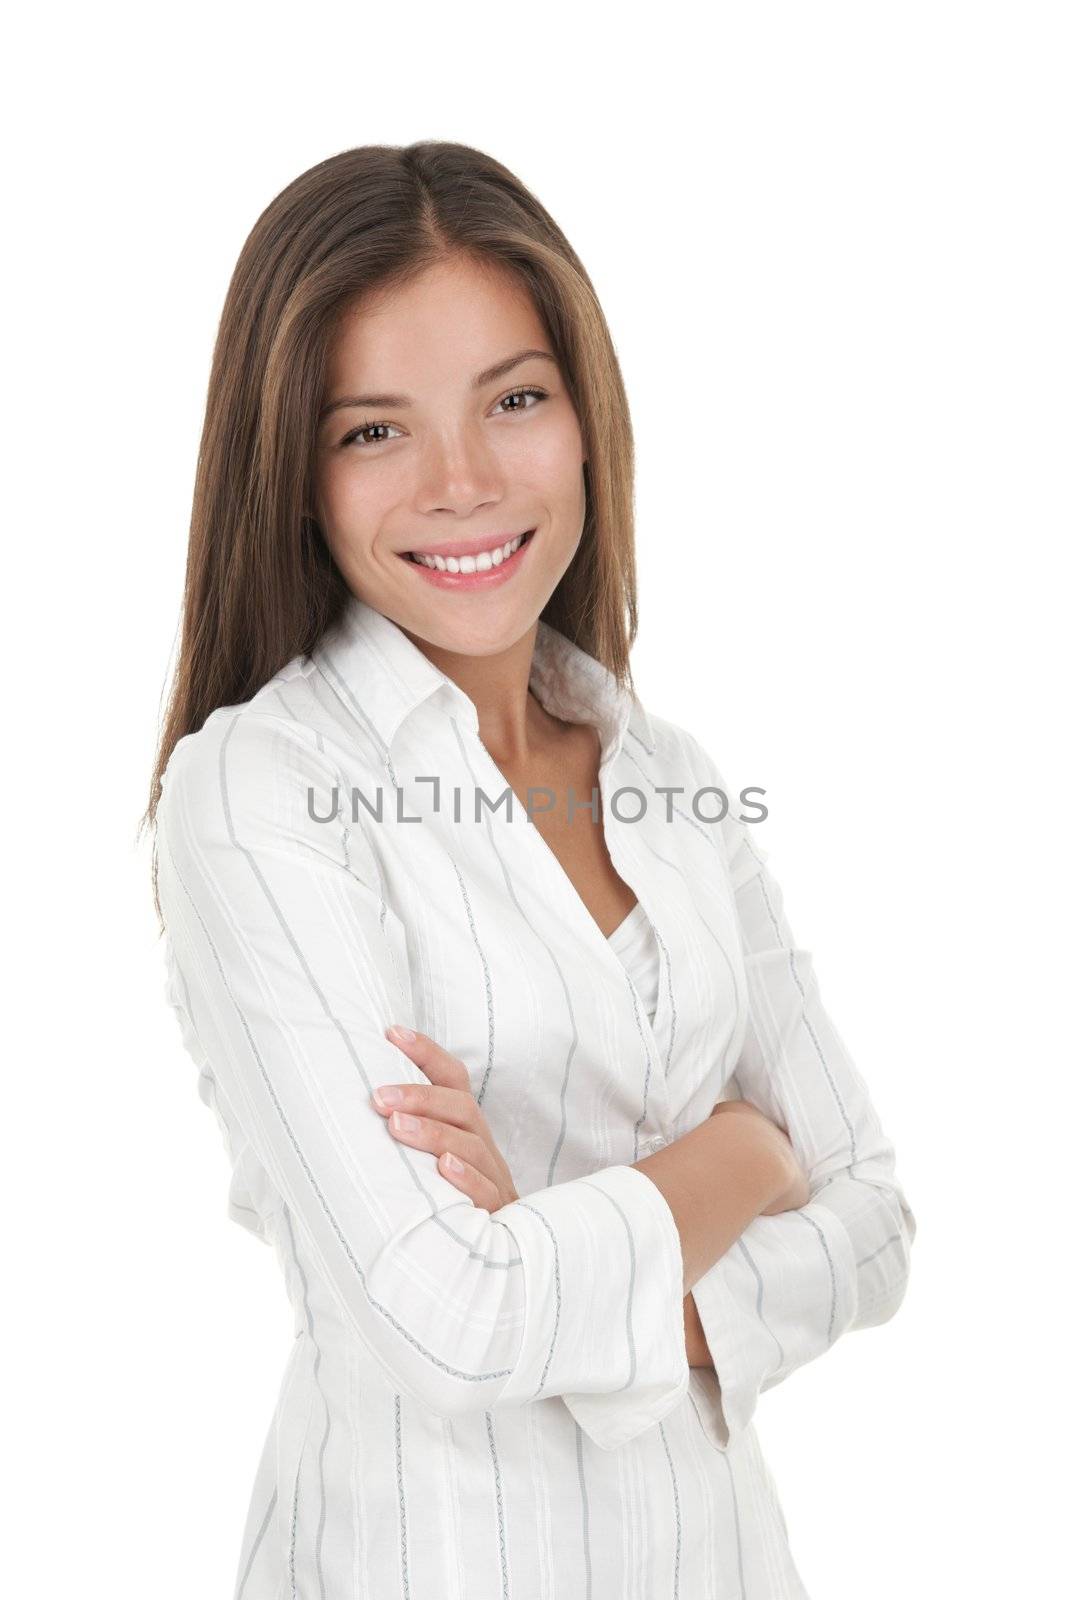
pixel 460 475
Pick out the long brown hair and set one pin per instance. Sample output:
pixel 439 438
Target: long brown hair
pixel 260 584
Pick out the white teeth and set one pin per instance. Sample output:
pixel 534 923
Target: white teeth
pixel 479 563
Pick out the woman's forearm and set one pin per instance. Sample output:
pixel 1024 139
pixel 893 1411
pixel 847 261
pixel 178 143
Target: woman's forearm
pixel 716 1180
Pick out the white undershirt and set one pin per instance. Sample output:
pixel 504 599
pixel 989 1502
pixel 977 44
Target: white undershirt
pixel 635 945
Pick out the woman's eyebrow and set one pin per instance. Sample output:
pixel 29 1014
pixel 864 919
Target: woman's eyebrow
pixel 396 401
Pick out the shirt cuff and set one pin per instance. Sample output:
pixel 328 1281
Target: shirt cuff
pixel 605 1325
pixel 778 1297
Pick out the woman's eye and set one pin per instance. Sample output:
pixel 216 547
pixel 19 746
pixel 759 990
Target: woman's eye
pixel 368 427
pixel 517 394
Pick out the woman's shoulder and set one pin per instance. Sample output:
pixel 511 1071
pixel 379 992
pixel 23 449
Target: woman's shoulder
pixel 673 747
pixel 252 757
pixel 683 759
pixel 677 758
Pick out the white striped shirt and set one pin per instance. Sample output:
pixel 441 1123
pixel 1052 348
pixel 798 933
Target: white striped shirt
pixel 499 1404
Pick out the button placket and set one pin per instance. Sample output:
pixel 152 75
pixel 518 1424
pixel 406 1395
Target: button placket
pixel 657 1110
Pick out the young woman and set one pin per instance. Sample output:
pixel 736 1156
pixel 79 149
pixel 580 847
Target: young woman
pixel 473 952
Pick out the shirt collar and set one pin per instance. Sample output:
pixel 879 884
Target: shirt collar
pixel 386 676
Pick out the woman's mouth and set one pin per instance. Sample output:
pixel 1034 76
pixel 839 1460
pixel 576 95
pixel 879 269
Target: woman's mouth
pixel 483 571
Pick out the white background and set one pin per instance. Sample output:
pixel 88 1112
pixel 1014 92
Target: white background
pixel 830 243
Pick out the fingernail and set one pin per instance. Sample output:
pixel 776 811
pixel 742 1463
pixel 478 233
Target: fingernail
pixel 395 1031
pixel 403 1123
pixel 452 1162
pixel 390 1095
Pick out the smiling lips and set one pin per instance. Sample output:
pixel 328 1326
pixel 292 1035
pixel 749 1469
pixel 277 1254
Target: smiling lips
pixel 472 563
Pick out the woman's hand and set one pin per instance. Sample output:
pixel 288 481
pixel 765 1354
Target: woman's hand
pixel 446 1120
pixel 795 1191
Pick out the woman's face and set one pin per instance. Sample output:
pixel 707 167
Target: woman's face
pixel 442 434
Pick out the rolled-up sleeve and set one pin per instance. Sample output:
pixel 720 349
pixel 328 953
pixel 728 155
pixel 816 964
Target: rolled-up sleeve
pixel 793 1283
pixel 614 1316
pixel 293 966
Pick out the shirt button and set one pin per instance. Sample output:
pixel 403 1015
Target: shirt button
pixel 649 1145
